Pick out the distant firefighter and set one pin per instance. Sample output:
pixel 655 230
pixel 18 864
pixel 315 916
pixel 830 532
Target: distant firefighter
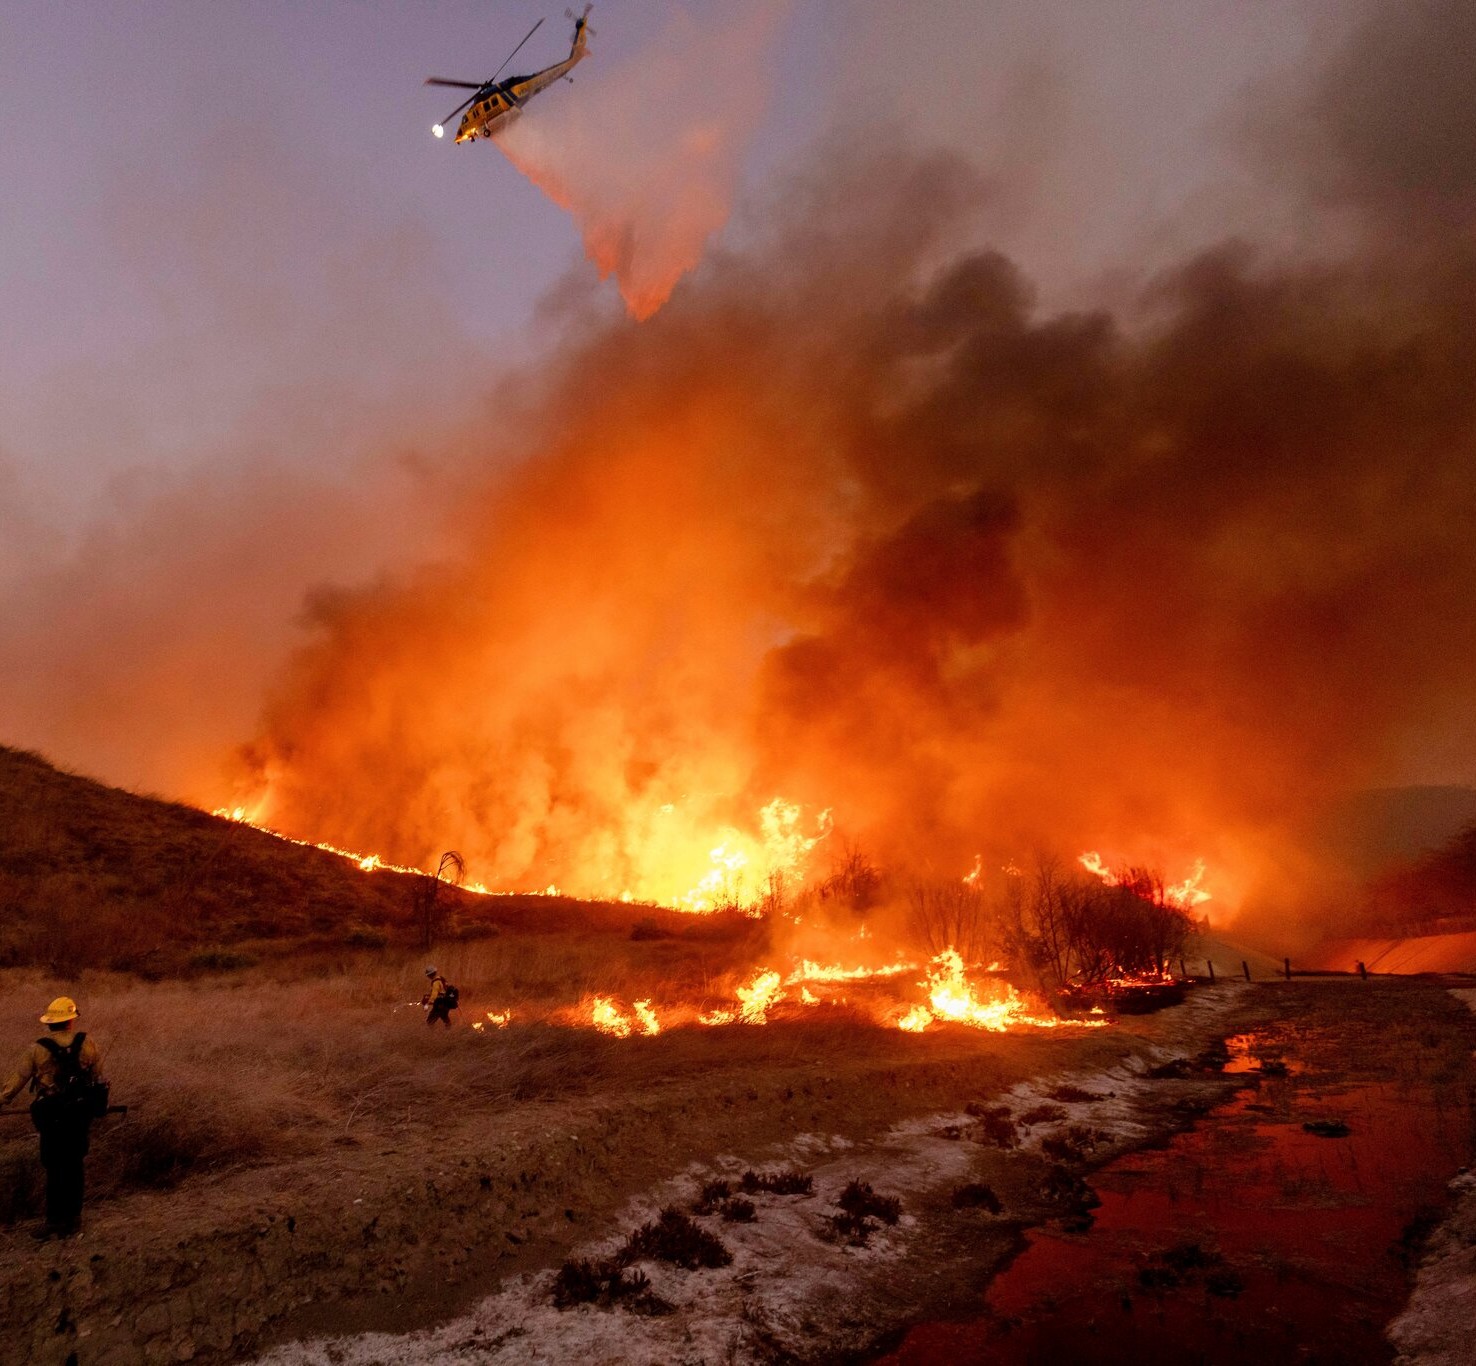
pixel 63 1070
pixel 441 997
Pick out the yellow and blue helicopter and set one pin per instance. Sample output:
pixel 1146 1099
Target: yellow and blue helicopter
pixel 493 102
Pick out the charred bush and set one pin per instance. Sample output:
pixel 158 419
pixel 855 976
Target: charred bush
pixel 999 1128
pixel 713 1194
pixel 1061 1148
pixel 1175 1069
pixel 976 1195
pixel 606 1282
pixel 859 1199
pixel 674 1238
pixel 851 1229
pixel 1071 1095
pixel 1042 1114
pixel 739 1211
pixel 1062 1187
pixel 979 1110
pixel 954 915
pixel 1072 1145
pixel 787 1182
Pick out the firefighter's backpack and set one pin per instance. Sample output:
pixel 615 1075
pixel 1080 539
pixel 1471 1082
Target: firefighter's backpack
pixel 450 996
pixel 77 1091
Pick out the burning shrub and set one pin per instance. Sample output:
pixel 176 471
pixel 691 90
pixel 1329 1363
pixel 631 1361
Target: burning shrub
pixel 1069 928
pixel 1000 1129
pixel 676 1239
pixel 976 1195
pixel 739 1211
pixel 855 882
pixel 787 1182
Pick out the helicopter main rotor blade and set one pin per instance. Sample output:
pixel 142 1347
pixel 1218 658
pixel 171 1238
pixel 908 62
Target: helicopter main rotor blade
pixel 515 51
pixel 460 85
pixel 463 105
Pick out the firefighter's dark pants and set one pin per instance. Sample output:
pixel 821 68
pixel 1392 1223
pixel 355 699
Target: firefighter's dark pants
pixel 65 1135
pixel 441 1011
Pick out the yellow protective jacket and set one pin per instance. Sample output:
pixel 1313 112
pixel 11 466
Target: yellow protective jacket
pixel 37 1069
pixel 437 990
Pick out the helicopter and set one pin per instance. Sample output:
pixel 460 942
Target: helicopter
pixel 493 102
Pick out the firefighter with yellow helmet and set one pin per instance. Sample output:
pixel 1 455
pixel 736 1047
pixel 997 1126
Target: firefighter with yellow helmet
pixel 63 1070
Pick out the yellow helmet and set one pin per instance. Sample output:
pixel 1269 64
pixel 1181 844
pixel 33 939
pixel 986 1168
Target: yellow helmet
pixel 61 1010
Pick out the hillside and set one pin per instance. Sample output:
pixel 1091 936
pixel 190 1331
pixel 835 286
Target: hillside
pixel 91 876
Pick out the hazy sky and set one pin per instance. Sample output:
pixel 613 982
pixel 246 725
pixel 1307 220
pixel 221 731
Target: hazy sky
pixel 202 201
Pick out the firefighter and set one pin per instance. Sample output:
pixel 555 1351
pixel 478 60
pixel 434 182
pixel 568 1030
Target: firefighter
pixel 439 997
pixel 63 1070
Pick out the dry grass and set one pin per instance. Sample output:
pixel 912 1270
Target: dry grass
pixel 262 1067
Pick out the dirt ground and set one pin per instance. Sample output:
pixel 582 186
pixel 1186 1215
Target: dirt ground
pixel 458 1214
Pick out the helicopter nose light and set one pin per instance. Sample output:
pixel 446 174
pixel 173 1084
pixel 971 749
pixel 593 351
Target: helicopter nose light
pixel 439 130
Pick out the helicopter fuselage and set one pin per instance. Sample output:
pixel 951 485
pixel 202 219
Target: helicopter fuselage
pixel 492 108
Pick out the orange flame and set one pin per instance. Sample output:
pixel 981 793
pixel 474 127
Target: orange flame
pixel 951 997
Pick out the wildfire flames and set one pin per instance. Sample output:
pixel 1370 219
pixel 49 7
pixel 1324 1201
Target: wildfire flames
pixel 953 998
pixel 1186 894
